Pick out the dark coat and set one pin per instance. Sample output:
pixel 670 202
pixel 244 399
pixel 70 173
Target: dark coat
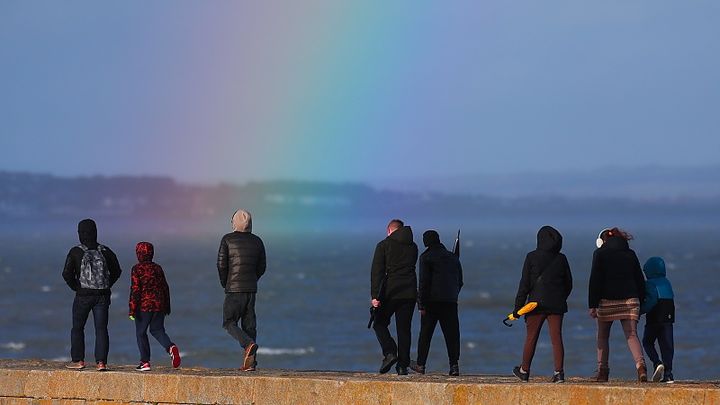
pixel 241 262
pixel 394 260
pixel 441 276
pixel 149 290
pixel 87 234
pixel 615 273
pixel 546 277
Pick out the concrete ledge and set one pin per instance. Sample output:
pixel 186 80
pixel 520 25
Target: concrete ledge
pixel 41 382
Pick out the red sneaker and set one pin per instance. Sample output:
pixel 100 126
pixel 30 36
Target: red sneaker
pixel 101 366
pixel 175 356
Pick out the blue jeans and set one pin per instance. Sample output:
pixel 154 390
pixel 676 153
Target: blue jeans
pixel 82 305
pixel 155 321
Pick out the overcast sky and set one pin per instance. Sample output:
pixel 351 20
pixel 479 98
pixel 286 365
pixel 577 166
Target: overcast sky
pixel 365 90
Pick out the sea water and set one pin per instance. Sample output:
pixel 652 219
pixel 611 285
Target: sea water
pixel 312 303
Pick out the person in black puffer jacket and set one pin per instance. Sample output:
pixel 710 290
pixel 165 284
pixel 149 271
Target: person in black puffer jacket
pixel 393 269
pixel 440 282
pixel 546 279
pixel 241 263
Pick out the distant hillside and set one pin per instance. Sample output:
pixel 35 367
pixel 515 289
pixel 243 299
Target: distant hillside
pixel 25 195
pixel 641 183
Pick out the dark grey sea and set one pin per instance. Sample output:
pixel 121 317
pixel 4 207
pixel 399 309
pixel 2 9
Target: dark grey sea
pixel 313 301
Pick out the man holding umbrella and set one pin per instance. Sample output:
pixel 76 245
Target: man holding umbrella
pixel 393 269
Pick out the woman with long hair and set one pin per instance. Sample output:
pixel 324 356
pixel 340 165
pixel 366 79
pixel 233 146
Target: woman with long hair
pixel 617 287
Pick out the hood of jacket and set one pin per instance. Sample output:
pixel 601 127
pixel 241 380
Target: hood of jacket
pixel 242 221
pixel 144 251
pixel 431 238
pixel 654 268
pixel 87 233
pixel 403 235
pixel 549 239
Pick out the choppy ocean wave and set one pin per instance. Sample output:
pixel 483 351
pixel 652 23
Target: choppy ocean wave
pixel 298 351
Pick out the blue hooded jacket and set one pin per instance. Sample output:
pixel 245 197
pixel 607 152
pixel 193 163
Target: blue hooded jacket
pixel 659 298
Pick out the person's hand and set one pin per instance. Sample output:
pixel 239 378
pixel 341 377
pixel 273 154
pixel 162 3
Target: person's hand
pixel 375 303
pixel 132 318
pixel 593 313
pixel 422 312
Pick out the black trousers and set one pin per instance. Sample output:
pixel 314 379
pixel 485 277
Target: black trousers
pixel 447 314
pixel 403 311
pixel 240 307
pixel 82 306
pixel 663 333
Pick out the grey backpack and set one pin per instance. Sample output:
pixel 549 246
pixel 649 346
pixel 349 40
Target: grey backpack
pixel 94 273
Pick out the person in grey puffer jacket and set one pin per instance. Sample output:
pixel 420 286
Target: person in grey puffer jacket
pixel 241 263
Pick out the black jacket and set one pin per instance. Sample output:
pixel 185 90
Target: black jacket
pixel 87 233
pixel 615 273
pixel 441 276
pixel 241 262
pixel 394 260
pixel 546 277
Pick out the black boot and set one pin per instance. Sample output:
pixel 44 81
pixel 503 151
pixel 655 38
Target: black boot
pixel 401 370
pixel 388 361
pixel 454 370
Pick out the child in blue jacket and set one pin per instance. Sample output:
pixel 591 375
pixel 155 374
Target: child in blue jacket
pixel 659 306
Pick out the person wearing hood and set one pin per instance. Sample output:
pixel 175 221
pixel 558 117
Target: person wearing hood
pixel 393 291
pixel 241 263
pixel 615 293
pixel 547 280
pixel 659 306
pixel 441 279
pixel 91 269
pixel 149 304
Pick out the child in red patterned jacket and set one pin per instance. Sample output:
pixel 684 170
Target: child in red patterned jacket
pixel 149 304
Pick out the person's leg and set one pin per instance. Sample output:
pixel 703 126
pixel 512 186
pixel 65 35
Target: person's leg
pixel 667 346
pixel 142 322
pixel 648 341
pixel 630 329
pixel 102 337
pixel 603 343
pixel 555 325
pixel 427 328
pixel 450 325
pixel 232 311
pixel 403 323
pixel 380 326
pixel 533 325
pixel 248 319
pixel 80 312
pixel 157 329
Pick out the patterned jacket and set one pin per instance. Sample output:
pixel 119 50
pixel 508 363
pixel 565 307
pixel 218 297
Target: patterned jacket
pixel 149 291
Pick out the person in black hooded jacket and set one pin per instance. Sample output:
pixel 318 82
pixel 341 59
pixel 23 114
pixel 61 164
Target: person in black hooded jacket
pixel 546 279
pixel 90 270
pixel 441 279
pixel 393 289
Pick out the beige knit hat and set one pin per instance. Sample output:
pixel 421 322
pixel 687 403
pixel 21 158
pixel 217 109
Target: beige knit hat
pixel 242 221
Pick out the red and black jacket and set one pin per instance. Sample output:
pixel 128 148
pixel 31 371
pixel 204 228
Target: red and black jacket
pixel 149 291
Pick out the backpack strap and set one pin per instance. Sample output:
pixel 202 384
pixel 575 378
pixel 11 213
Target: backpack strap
pixel 83 247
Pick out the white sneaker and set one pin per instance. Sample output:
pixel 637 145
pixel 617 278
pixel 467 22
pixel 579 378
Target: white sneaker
pixel 659 372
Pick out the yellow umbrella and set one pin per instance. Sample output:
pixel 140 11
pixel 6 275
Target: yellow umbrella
pixel 524 310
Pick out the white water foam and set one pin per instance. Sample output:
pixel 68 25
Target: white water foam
pixel 298 351
pixel 17 346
